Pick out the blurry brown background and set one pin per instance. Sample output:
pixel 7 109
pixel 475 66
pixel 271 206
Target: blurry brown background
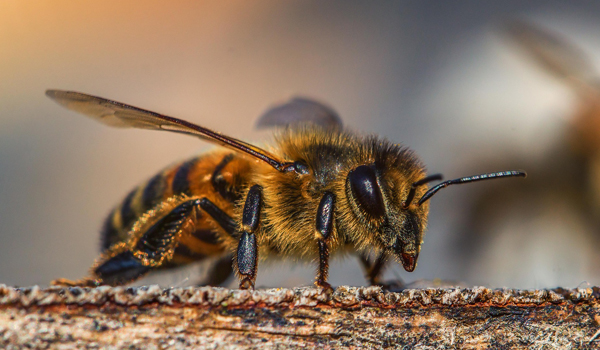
pixel 433 75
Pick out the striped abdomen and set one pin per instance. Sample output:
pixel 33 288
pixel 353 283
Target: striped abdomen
pixel 217 176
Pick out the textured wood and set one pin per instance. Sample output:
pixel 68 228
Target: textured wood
pixel 206 317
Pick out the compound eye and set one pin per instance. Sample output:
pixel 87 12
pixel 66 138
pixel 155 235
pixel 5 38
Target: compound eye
pixel 363 183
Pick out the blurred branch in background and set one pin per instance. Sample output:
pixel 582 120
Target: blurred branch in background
pixel 553 219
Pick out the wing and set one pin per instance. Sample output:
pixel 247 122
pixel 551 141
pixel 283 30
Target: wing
pixel 298 110
pixel 125 116
pixel 554 53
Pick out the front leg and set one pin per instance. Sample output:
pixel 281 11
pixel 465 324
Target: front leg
pixel 323 229
pixel 374 269
pixel 247 251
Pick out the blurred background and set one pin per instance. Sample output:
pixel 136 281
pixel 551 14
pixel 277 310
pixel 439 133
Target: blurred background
pixel 439 77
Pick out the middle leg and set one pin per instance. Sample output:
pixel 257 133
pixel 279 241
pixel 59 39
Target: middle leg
pixel 247 251
pixel 323 229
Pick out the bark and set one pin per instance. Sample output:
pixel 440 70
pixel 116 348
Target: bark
pixel 207 317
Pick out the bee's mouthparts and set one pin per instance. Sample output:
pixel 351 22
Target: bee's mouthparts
pixel 409 261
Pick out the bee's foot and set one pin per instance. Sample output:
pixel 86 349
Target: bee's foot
pixel 326 287
pixel 85 282
pixel 391 286
pixel 247 283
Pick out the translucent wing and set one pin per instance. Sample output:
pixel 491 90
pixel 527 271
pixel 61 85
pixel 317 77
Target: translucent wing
pixel 125 116
pixel 297 110
pixel 554 53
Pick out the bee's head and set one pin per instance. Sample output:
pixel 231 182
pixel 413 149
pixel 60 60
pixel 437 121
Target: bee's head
pixel 379 198
pixel 384 202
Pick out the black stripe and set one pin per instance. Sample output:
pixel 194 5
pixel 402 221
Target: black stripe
pixel 181 183
pixel 128 215
pixel 109 234
pixel 207 236
pixel 153 192
pixel 219 183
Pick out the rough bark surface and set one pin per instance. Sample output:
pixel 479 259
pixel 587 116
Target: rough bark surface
pixel 207 317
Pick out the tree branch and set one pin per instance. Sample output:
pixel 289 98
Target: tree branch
pixel 207 317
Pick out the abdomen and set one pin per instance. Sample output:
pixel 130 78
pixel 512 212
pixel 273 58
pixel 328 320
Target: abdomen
pixel 217 176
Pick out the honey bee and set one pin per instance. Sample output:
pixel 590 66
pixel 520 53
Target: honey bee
pixel 320 190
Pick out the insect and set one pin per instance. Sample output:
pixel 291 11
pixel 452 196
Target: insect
pixel 320 190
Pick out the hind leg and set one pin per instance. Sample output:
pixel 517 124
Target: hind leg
pixel 151 246
pixel 116 266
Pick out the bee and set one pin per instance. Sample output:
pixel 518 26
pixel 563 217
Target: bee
pixel 318 191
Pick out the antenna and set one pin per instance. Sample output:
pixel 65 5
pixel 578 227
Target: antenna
pixel 473 178
pixel 416 184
